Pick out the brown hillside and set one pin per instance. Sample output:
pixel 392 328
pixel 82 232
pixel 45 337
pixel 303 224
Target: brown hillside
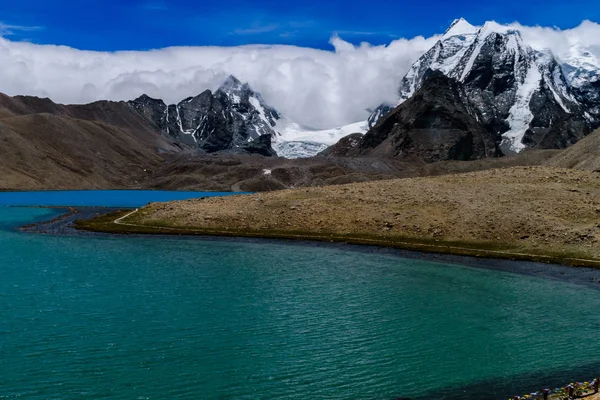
pixel 584 154
pixel 41 151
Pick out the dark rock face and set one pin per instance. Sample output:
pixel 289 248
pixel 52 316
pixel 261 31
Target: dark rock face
pixel 552 127
pixel 261 146
pixel 588 94
pixel 347 146
pixel 379 113
pixel 437 123
pixel 233 118
pixel 152 109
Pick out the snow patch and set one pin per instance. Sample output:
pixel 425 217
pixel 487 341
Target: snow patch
pixel 292 132
pixel 520 115
pixel 558 99
pixel 261 111
pixel 459 46
pixel 460 27
pixel 469 66
pixel 293 150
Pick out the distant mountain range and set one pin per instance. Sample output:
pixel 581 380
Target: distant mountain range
pixel 235 118
pixel 479 92
pixel 519 97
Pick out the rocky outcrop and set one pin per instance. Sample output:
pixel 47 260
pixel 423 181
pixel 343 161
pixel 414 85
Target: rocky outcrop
pixel 261 145
pixel 348 146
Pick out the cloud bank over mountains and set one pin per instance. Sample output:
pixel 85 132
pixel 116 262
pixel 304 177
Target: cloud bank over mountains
pixel 316 88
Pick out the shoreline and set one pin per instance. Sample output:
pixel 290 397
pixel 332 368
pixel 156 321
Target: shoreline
pixel 114 224
pixel 530 214
pixel 70 223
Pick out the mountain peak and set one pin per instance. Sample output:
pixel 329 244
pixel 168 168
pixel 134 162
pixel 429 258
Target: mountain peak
pixel 460 27
pixel 145 98
pixel 493 27
pixel 231 83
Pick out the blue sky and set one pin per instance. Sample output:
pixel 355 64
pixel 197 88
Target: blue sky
pixel 146 24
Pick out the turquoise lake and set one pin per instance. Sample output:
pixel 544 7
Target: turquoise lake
pixel 102 198
pixel 167 318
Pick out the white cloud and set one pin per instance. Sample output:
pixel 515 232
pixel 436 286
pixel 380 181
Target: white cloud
pixel 565 44
pixel 316 88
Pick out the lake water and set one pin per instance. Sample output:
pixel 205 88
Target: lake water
pixel 159 318
pixel 101 198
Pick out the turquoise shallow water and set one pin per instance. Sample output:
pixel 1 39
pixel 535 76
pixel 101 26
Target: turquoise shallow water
pixel 157 318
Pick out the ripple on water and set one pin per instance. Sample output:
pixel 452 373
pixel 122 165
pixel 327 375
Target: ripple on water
pixel 161 318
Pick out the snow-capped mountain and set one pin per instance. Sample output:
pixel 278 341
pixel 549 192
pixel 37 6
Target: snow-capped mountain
pixel 233 118
pixel 582 70
pixel 524 95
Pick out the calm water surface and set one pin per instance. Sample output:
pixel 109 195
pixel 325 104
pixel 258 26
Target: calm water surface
pixel 156 318
pixel 100 198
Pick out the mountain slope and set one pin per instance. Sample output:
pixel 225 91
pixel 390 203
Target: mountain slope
pixel 118 114
pixel 42 151
pixel 438 123
pixel 583 155
pixel 53 146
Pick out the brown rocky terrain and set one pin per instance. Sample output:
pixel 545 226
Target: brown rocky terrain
pixel 258 174
pixel 44 145
pixel 538 213
pixel 584 154
pixel 44 151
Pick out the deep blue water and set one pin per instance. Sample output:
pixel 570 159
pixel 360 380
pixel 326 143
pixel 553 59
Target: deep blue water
pixel 100 198
pixel 162 318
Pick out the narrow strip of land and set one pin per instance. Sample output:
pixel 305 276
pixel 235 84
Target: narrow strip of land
pixel 527 213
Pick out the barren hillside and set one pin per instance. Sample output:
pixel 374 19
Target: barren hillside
pixel 585 154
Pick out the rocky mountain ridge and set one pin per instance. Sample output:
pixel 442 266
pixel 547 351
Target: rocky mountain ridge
pixel 234 118
pixel 525 97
